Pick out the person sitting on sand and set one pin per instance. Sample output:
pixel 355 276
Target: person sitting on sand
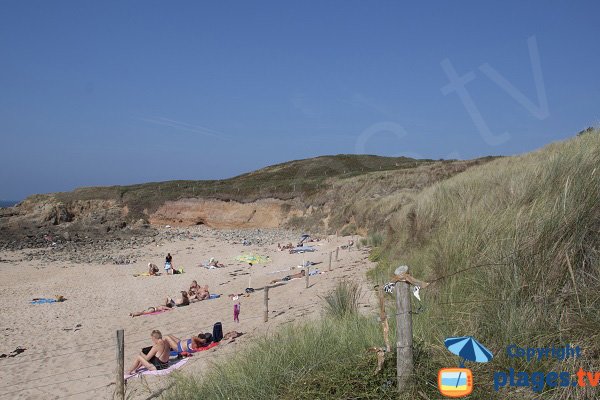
pixel 184 300
pixel 150 310
pixel 194 288
pixel 202 293
pixel 189 345
pixel 290 277
pixel 156 359
pixel 153 269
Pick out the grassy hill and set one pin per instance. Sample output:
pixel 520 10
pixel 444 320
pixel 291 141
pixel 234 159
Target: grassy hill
pixel 314 181
pixel 284 181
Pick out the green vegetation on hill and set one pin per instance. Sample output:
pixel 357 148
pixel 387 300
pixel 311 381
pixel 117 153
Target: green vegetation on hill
pixel 294 179
pixel 340 180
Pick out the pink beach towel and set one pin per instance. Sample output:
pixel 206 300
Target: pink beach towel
pixel 166 371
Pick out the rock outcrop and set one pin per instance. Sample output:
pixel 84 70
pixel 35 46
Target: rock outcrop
pixel 266 213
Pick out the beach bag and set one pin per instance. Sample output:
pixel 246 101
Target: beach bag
pixel 217 332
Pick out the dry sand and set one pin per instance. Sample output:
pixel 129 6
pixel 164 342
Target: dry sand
pixel 63 360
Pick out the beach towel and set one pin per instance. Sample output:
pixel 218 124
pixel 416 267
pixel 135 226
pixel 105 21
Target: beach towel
pixel 213 296
pixel 172 367
pixel 144 274
pixel 253 259
pixel 303 249
pixel 59 299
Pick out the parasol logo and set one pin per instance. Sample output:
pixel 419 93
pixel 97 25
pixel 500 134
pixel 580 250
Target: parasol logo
pixel 458 382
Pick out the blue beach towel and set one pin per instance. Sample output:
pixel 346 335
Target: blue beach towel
pixel 44 301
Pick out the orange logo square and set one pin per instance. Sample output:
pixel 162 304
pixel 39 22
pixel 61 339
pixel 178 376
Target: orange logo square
pixel 455 382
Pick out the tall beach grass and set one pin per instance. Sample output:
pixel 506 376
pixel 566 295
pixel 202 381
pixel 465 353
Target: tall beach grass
pixel 514 248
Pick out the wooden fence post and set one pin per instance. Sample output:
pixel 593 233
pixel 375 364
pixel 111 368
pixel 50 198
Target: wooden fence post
pixel 404 354
pixel 337 251
pixel 307 269
pixel 120 387
pixel 266 316
pixel 330 254
pixel 384 321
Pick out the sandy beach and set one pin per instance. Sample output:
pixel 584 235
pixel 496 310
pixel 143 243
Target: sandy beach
pixel 70 346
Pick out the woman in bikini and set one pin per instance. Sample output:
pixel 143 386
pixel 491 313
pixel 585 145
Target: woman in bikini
pixel 156 359
pixel 189 345
pixel 150 310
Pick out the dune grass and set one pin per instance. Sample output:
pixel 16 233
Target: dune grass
pixel 343 300
pixel 323 359
pixel 514 248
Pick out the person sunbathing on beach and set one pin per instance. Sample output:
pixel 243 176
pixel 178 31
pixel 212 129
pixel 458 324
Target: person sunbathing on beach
pixel 285 247
pixel 290 277
pixel 202 293
pixel 189 345
pixel 184 300
pixel 153 269
pixel 194 288
pixel 215 263
pixel 156 359
pixel 150 310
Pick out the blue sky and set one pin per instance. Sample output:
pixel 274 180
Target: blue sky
pixel 102 93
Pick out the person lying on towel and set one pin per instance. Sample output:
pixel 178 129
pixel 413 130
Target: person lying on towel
pixel 186 346
pixel 156 359
pixel 149 310
pixel 290 277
